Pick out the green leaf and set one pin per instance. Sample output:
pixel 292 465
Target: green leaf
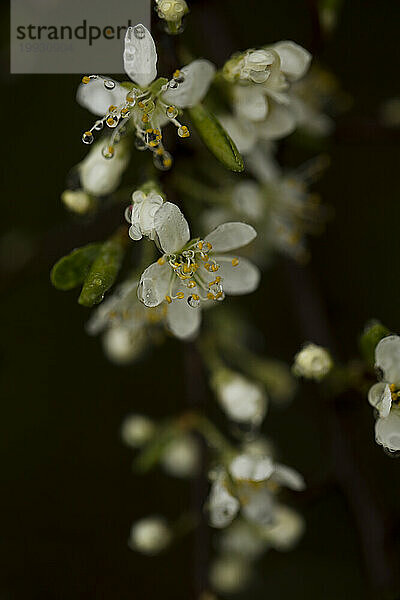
pixel 71 270
pixel 216 138
pixel 104 270
pixel 371 336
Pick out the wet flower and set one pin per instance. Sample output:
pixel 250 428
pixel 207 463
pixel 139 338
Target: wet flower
pixel 136 430
pixel 100 176
pixel 243 400
pixel 150 535
pixel 261 81
pixel 385 395
pixel 312 362
pixel 194 272
pixel 141 214
pixel 223 506
pixel 146 104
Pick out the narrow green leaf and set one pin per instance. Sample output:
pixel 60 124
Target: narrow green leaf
pixel 71 270
pixel 104 269
pixel 216 138
pixel 372 334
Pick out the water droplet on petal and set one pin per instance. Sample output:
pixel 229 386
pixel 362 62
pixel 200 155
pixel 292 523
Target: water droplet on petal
pixel 87 137
pixel 109 84
pixel 139 32
pixel 194 302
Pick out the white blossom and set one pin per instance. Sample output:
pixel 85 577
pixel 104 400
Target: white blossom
pixel 385 395
pixel 141 214
pixel 312 362
pixel 148 104
pixel 194 272
pixel 243 400
pixel 223 506
pixel 150 535
pixel 100 176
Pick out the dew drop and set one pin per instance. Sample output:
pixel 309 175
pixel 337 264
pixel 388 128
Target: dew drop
pixel 139 32
pixel 87 137
pixel 99 125
pixel 162 161
pixel 193 302
pixel 109 84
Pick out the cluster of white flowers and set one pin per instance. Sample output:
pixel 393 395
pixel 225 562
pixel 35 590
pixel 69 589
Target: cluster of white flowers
pixel 385 395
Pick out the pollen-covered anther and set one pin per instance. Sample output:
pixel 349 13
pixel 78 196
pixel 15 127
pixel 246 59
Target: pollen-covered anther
pixel 191 284
pixel 161 260
pixel 87 137
pixel 183 131
pixel 168 299
pixel 235 262
pixel 172 112
pixel 86 79
pixel 180 295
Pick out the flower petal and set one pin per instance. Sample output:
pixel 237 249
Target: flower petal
pixel 171 227
pixel 257 504
pixel 251 468
pixel 387 431
pixel 154 284
pixel 229 236
pixel 250 103
pixel 279 123
pixel 380 397
pixel 288 477
pixel 197 78
pixel 183 320
pixel 242 133
pixel 96 98
pixel 243 278
pixel 295 60
pixel 140 55
pixel 387 358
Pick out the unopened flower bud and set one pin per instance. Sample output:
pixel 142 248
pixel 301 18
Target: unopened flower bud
pixel 172 10
pixel 229 574
pixel 312 362
pixel 181 457
pixel 77 201
pixel 150 535
pixel 243 400
pixel 136 430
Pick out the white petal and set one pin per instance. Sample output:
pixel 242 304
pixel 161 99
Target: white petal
pixel 183 320
pixel 387 358
pixel 229 236
pixel 250 103
pixel 97 99
pixel 240 279
pixel 257 504
pixel 244 134
pixel 295 60
pixel 286 528
pixel 387 431
pixel 380 397
pixel 223 506
pixel 198 76
pixel 289 478
pixel 154 284
pixel 251 468
pixel 171 227
pixel 279 123
pixel 140 55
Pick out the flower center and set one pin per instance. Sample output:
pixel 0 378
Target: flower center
pixel 395 393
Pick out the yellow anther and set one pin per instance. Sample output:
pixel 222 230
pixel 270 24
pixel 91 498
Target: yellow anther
pixel 195 297
pixel 208 246
pixel 145 118
pixel 85 79
pixel 392 387
pixel 214 267
pixel 130 99
pixel 110 121
pixel 141 104
pixel 235 262
pixel 112 108
pixel 180 295
pixel 159 151
pixel 177 73
pixel 161 260
pixel 218 279
pixel 168 299
pixel 186 269
pixel 88 133
pixel 210 296
pixel 200 245
pixel 192 284
pixel 207 266
pixel 204 256
pixel 168 162
pixel 124 111
pixel 219 295
pixel 110 149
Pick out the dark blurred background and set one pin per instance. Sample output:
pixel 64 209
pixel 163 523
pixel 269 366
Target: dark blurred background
pixel 69 493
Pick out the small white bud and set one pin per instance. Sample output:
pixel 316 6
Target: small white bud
pixel 77 201
pixel 312 362
pixel 120 346
pixel 150 535
pixel 136 430
pixel 181 457
pixel 286 529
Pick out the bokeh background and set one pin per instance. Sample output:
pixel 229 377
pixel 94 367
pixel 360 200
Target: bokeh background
pixel 69 493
